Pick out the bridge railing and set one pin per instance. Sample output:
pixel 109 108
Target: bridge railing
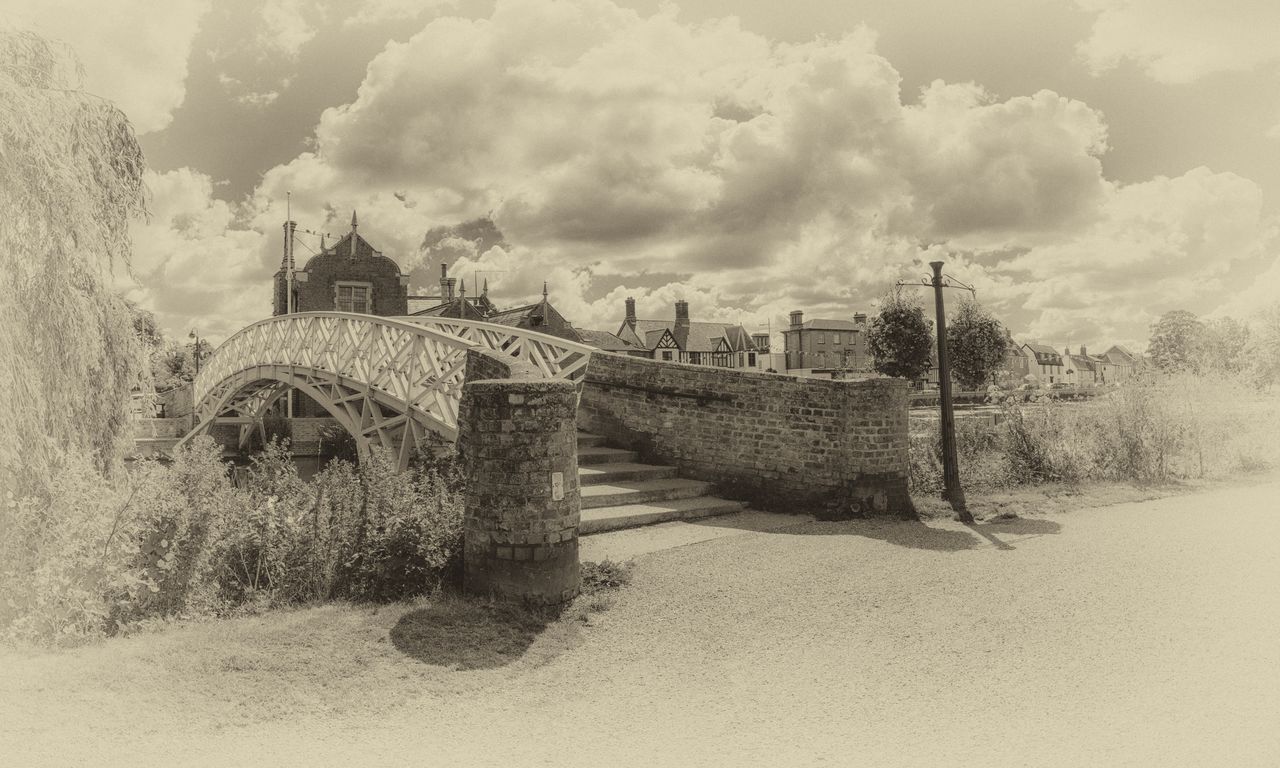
pixel 555 357
pixel 385 353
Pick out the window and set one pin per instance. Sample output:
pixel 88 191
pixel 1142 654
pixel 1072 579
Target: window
pixel 353 297
pixel 695 358
pixel 822 338
pixel 835 338
pixel 751 359
pixel 666 354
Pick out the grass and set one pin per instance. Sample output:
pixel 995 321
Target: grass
pixel 328 660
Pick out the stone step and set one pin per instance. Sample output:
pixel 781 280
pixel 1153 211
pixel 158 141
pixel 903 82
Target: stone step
pixel 602 455
pixel 154 446
pixel 588 440
pixel 641 491
pixel 603 519
pixel 621 472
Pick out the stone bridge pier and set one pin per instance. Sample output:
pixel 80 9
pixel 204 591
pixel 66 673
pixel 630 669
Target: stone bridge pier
pixel 518 440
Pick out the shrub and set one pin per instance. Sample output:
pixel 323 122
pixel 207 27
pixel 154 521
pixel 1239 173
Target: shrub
pixel 93 555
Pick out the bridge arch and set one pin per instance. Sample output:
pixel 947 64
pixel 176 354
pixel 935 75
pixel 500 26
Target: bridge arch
pixel 387 381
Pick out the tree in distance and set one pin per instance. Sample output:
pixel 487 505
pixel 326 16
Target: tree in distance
pixel 976 344
pixel 900 338
pixel 1175 340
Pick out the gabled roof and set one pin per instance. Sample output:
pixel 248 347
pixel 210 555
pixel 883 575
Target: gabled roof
pixel 605 341
pixel 1043 349
pixel 1118 355
pixel 695 337
pixel 1081 362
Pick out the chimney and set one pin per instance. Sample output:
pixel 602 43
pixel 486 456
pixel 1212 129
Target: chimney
pixel 860 318
pixel 797 318
pixel 1084 352
pixel 682 314
pixel 446 292
pixel 631 312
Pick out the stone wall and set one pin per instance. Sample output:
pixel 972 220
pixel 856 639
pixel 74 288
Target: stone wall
pixel 517 435
pixel 777 441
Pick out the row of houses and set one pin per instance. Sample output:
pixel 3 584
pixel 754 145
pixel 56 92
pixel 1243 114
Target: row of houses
pixel 352 276
pixel 1047 366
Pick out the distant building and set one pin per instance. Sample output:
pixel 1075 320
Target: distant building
pixel 452 300
pixel 1121 362
pixel 1046 364
pixel 608 342
pixel 1017 363
pixel 350 276
pixel 1081 370
pixel 682 340
pixel 539 316
pixel 826 345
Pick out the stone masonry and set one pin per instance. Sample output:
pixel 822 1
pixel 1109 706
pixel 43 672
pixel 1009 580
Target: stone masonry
pixel 778 441
pixel 518 438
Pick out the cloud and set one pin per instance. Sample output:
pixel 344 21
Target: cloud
pixel 193 264
pixel 145 76
pixel 1180 41
pixel 610 154
pixel 284 28
pixel 372 12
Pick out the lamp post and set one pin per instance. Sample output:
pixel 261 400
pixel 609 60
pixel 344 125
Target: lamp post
pixel 196 351
pixel 950 462
pixel 952 492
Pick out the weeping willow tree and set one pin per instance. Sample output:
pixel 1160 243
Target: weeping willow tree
pixel 70 181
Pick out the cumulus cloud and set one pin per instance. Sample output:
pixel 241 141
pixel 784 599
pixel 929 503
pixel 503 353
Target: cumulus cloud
pixel 1179 41
pixel 610 154
pixel 193 264
pixel 145 77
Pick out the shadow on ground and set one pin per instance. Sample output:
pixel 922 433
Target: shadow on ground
pixel 468 635
pixel 915 534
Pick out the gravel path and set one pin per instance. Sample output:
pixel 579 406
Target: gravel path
pixel 1140 634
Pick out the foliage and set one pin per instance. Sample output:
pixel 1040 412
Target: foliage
pixel 900 338
pixel 1222 346
pixel 1264 348
pixel 93 555
pixel 1157 428
pixel 604 575
pixel 1175 338
pixel 976 345
pixel 72 172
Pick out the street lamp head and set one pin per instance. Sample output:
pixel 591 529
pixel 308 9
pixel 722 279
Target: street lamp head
pixel 937 266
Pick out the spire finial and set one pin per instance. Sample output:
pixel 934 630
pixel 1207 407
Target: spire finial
pixel 462 289
pixel 486 287
pixel 353 233
pixel 544 290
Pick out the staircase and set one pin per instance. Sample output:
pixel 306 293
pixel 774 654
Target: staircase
pixel 617 492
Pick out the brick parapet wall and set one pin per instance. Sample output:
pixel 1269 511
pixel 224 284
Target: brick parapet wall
pixel 777 441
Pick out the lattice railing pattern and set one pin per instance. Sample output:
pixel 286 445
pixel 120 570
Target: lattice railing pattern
pixel 386 379
pixel 556 358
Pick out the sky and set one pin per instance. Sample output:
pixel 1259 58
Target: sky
pixel 1087 165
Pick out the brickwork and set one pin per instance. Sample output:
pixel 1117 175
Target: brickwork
pixel 316 292
pixel 518 441
pixel 777 441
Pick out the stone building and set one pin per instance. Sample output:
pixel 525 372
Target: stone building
pixel 349 276
pixel 826 345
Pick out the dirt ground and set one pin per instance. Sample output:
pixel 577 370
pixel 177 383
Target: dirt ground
pixel 1138 634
